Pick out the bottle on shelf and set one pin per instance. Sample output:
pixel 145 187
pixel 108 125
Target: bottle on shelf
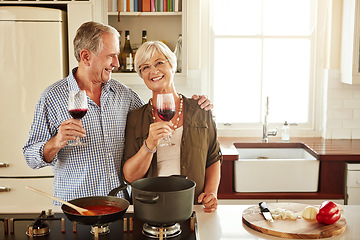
pixel 144 36
pixel 178 50
pixel 127 61
pixel 285 134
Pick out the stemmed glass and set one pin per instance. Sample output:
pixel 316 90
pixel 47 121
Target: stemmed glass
pixel 77 108
pixel 165 106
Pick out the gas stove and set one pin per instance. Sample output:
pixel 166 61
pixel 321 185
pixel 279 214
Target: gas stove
pixel 47 225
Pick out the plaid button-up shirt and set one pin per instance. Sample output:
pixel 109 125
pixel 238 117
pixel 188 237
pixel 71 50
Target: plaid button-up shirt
pixel 81 171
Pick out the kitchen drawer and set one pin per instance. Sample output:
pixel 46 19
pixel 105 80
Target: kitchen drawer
pixel 352 189
pixel 19 196
pixel 353 179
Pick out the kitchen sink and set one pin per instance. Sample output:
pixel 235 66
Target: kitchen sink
pixel 276 167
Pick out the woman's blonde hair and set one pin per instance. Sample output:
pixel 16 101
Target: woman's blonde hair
pixel 148 49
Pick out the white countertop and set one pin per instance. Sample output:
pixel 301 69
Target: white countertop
pixel 226 222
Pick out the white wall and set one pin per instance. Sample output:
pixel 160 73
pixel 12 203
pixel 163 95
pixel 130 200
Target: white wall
pixel 341 102
pixel 343 108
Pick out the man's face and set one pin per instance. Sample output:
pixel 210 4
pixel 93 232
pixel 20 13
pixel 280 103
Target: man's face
pixel 102 65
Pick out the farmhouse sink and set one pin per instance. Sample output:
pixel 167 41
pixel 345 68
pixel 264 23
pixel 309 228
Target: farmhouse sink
pixel 275 167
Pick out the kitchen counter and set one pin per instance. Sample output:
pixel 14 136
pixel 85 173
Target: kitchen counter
pixel 332 154
pixel 226 223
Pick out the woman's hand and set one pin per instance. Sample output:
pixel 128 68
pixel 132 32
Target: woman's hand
pixel 157 131
pixel 209 200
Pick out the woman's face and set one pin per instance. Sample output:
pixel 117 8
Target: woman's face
pixel 157 73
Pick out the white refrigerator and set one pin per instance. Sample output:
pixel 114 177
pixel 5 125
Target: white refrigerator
pixel 34 54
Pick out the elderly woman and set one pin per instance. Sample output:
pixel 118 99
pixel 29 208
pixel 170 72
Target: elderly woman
pixel 196 151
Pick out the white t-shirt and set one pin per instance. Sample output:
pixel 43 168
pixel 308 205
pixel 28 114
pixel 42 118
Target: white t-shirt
pixel 168 157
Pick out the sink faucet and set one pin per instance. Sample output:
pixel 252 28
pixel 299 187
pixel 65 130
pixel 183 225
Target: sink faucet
pixel 267 132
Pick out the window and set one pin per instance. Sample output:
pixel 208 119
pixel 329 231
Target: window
pixel 260 49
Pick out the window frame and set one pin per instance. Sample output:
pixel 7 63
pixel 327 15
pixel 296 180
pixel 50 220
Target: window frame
pixel 312 128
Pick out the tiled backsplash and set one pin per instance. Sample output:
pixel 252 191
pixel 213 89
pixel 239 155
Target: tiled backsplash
pixel 342 102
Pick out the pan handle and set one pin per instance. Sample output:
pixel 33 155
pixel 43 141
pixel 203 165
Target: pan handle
pixel 179 176
pixel 123 187
pixel 149 199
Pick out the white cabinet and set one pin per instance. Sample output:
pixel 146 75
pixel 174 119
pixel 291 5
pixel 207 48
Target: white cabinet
pixel 350 66
pixel 17 195
pixel 352 191
pixel 162 26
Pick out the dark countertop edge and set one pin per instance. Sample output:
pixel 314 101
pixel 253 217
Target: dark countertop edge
pixel 315 146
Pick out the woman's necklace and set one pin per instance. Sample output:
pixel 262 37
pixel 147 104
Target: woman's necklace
pixel 180 111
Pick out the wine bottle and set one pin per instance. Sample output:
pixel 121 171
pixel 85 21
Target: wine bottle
pixel 127 55
pixel 178 53
pixel 144 37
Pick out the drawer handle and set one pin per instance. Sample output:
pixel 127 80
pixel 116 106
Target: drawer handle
pixel 4 189
pixel 4 165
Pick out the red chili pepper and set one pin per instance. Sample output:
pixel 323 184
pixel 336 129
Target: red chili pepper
pixel 329 213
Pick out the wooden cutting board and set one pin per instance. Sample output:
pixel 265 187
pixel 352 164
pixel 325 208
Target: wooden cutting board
pixel 296 229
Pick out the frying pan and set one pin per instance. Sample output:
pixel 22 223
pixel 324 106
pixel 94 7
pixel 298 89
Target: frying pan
pixel 109 200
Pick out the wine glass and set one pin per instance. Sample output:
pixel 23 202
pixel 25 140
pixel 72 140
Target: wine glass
pixel 165 106
pixel 77 108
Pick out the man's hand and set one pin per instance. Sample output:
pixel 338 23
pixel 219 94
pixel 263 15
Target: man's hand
pixel 203 101
pixel 68 130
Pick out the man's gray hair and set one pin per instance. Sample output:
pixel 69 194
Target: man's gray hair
pixel 88 36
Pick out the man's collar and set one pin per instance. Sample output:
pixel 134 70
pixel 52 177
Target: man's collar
pixel 73 86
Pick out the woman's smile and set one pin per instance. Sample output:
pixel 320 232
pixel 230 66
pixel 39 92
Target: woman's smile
pixel 157 78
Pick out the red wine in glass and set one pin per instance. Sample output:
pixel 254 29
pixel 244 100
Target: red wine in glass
pixel 77 108
pixel 165 107
pixel 78 113
pixel 166 114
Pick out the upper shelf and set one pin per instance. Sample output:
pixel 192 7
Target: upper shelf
pixel 145 14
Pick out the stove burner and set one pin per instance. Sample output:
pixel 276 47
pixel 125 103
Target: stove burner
pixel 38 228
pixel 167 231
pixel 99 230
pixel 20 225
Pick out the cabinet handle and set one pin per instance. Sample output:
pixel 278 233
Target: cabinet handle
pixel 4 189
pixel 4 165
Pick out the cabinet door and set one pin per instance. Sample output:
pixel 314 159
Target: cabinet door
pixel 350 65
pixel 353 196
pixel 35 58
pixel 21 199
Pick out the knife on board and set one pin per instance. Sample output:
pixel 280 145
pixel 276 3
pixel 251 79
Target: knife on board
pixel 265 211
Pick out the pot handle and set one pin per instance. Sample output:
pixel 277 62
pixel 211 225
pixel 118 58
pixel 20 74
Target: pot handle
pixel 149 199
